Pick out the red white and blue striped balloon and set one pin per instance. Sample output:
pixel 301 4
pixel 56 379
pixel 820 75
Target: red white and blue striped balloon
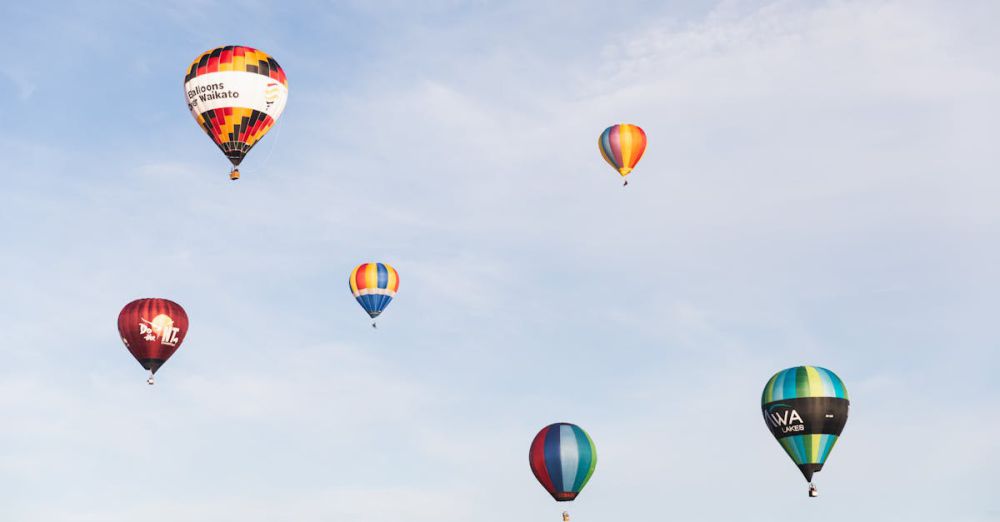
pixel 563 458
pixel 374 285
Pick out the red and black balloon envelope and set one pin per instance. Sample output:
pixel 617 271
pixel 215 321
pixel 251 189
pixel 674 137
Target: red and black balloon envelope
pixel 236 94
pixel 152 330
pixel 563 458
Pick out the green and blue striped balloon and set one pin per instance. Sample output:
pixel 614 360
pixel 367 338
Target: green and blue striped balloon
pixel 806 409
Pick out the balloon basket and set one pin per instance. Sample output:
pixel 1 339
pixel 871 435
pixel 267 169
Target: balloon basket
pixel 813 493
pixel 235 174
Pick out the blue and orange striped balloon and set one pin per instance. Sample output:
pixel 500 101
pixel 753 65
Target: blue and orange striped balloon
pixel 374 285
pixel 563 458
pixel 622 146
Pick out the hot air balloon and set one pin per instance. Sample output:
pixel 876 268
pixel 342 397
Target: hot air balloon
pixel 622 146
pixel 563 458
pixel 374 285
pixel 806 408
pixel 236 94
pixel 152 330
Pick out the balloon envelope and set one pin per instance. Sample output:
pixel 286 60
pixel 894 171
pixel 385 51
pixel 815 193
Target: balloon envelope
pixel 235 93
pixel 806 408
pixel 152 330
pixel 563 458
pixel 622 146
pixel 374 285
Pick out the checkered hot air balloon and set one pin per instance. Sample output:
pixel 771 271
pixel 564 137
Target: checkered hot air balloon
pixel 622 146
pixel 235 93
pixel 152 330
pixel 374 285
pixel 563 458
pixel 806 409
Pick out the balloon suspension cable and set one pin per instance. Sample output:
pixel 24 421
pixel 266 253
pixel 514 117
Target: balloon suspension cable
pixel 565 516
pixel 274 142
pixel 813 493
pixel 151 380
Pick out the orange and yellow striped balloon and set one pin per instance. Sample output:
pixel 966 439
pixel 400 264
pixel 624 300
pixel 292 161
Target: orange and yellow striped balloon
pixel 622 146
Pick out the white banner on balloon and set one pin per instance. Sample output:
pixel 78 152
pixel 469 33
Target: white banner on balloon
pixel 236 89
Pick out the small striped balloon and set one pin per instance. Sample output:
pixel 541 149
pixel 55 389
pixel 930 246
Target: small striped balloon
pixel 374 285
pixel 563 458
pixel 622 146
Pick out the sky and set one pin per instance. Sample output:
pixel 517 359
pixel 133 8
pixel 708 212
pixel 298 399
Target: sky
pixel 819 188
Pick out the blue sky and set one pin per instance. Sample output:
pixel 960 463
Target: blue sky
pixel 820 188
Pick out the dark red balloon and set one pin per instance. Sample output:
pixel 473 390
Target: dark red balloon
pixel 152 330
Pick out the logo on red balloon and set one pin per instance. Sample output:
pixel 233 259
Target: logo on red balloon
pixel 162 327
